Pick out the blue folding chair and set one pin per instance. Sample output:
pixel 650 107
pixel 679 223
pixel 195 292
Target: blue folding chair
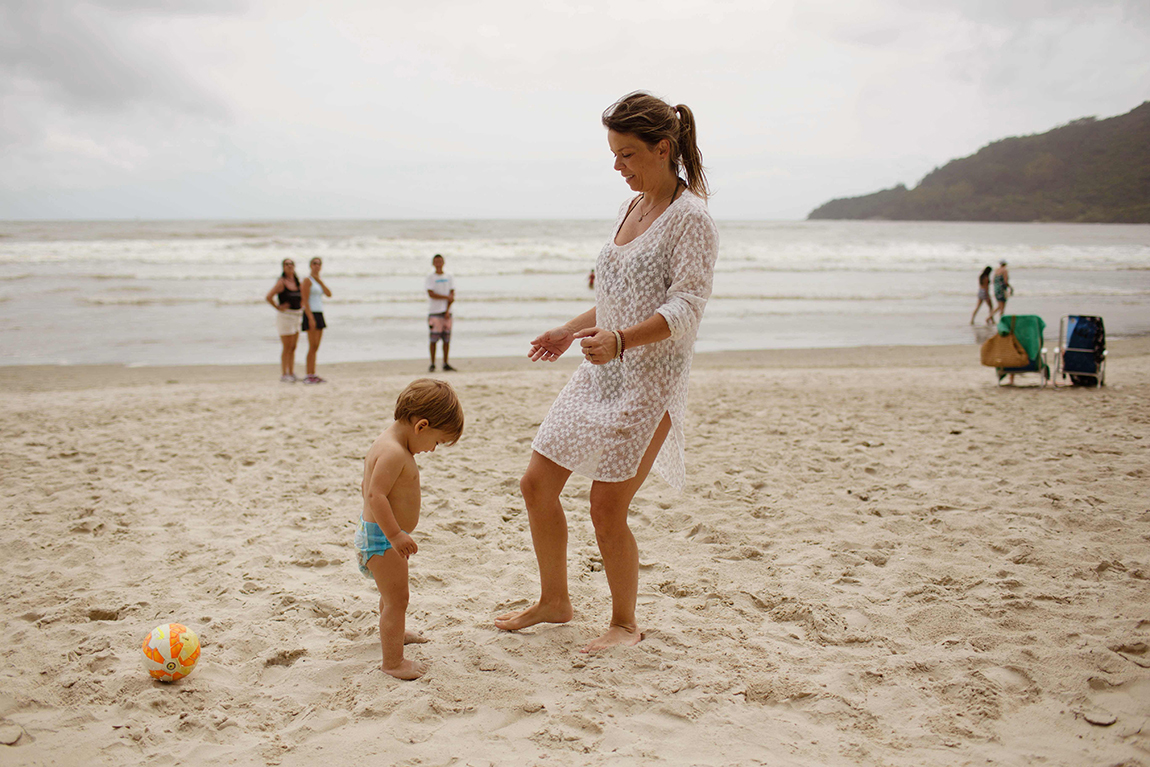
pixel 1081 352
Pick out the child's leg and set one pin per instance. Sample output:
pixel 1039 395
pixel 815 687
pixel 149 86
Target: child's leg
pixel 390 572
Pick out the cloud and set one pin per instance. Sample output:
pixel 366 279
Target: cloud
pixel 93 92
pixel 92 56
pixel 1021 13
pixel 451 108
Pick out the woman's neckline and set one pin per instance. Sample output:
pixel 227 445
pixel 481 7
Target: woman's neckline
pixel 654 222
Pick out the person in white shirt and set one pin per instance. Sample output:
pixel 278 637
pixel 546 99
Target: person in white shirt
pixel 623 411
pixel 441 295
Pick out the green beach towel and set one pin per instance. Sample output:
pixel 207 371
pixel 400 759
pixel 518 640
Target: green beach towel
pixel 1028 329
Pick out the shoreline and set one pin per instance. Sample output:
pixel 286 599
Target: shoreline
pixel 32 378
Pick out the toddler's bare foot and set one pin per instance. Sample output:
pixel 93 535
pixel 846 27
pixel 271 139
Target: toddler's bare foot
pixel 408 669
pixel 536 613
pixel 616 636
pixel 414 637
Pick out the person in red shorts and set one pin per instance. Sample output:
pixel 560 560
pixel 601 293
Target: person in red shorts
pixel 441 295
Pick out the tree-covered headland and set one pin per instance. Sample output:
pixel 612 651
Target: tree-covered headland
pixel 1088 170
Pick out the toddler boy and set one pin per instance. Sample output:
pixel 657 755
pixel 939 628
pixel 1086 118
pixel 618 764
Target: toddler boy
pixel 427 414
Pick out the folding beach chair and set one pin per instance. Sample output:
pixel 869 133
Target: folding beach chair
pixel 1028 329
pixel 1081 352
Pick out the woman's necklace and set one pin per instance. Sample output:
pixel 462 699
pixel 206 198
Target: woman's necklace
pixel 644 195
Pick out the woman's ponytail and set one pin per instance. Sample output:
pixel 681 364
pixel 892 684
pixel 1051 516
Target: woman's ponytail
pixel 691 158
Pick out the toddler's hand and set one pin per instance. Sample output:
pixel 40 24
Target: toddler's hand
pixel 404 545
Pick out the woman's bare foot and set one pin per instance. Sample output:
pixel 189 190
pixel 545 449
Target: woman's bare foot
pixel 408 669
pixel 536 613
pixel 414 637
pixel 616 636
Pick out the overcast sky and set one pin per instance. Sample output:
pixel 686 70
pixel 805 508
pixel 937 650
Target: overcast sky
pixel 446 109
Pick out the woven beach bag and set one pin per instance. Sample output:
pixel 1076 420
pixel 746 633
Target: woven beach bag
pixel 1004 351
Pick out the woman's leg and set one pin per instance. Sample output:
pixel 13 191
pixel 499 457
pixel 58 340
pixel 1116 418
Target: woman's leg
pixel 288 361
pixel 610 503
pixel 287 354
pixel 313 338
pixel 541 485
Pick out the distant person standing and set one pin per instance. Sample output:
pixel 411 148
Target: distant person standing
pixel 1002 287
pixel 286 291
pixel 984 295
pixel 312 292
pixel 591 280
pixel 441 295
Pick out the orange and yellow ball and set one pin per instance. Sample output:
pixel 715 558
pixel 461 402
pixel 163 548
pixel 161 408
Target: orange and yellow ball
pixel 171 652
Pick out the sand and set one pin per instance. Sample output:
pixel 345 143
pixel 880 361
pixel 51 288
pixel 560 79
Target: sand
pixel 881 559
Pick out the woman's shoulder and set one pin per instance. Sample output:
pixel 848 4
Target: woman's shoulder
pixel 692 210
pixel 692 205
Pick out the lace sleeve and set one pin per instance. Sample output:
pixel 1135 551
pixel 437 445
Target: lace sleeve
pixel 694 249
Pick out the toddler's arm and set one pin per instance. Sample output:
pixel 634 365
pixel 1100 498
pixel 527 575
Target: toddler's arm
pixel 383 477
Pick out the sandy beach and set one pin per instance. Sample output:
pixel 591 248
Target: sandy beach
pixel 881 559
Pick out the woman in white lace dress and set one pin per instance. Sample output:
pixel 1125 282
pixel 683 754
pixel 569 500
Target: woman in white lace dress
pixel 622 412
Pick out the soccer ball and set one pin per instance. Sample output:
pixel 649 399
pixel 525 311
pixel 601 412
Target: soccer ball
pixel 171 652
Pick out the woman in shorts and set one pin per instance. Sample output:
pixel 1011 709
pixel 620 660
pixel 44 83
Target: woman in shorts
pixel 287 302
pixel 984 296
pixel 314 290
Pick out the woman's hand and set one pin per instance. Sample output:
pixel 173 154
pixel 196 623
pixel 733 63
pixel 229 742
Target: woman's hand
pixel 551 345
pixel 598 345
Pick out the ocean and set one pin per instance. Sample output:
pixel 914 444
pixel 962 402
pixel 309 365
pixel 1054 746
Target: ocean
pixel 192 292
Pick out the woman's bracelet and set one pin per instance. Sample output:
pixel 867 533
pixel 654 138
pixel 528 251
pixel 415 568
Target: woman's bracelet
pixel 620 343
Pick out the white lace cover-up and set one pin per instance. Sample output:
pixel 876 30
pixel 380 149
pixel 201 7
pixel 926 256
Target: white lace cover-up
pixel 602 421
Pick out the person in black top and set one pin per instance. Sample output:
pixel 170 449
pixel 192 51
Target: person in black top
pixel 287 292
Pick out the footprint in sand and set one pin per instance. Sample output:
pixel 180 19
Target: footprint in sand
pixel 285 657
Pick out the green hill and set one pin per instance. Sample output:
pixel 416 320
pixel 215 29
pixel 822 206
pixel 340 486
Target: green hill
pixel 1088 171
